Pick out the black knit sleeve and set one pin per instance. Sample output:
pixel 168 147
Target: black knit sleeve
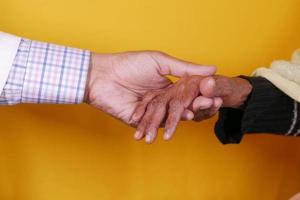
pixel 267 110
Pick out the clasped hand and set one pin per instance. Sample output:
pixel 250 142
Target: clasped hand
pixel 133 88
pixel 192 97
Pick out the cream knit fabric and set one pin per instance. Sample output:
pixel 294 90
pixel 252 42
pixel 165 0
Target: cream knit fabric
pixel 285 75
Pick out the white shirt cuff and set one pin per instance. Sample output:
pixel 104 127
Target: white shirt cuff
pixel 8 49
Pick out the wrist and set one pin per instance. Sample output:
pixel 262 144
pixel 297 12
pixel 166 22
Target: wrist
pixel 245 89
pixel 233 91
pixel 86 90
pixel 89 77
pixel 99 78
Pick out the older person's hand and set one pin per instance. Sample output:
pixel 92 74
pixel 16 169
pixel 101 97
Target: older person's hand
pixel 168 105
pixel 233 92
pixel 203 95
pixel 117 82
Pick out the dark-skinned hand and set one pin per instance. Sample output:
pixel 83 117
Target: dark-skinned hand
pixel 195 97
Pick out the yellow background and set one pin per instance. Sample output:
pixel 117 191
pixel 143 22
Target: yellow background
pixel 51 152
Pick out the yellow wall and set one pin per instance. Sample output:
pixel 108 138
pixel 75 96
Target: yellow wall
pixel 50 152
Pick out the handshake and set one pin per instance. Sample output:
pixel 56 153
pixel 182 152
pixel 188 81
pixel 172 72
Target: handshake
pixel 133 87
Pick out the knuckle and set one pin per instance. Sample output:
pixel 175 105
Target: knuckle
pixel 158 102
pixel 181 88
pixel 203 115
pixel 153 104
pixel 169 123
pixel 175 109
pixel 175 104
pixel 198 117
pixel 142 125
pixel 134 124
pixel 153 127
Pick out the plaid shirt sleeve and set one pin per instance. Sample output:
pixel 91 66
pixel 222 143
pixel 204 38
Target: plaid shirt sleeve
pixel 46 73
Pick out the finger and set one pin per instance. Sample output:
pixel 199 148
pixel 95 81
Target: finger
pixel 187 115
pixel 217 104
pixel 210 112
pixel 141 107
pixel 189 90
pixel 217 86
pixel 172 66
pixel 141 128
pixel 215 108
pixel 158 114
pixel 201 103
pixel 187 93
pixel 208 87
pixel 174 113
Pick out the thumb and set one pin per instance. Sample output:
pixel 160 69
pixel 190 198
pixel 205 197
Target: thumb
pixel 169 65
pixel 209 88
pixel 216 86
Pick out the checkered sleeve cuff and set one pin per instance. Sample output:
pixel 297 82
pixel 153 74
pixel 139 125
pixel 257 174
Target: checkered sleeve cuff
pixel 46 73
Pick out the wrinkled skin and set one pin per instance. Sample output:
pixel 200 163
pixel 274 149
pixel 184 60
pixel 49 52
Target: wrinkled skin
pixel 117 82
pixel 202 95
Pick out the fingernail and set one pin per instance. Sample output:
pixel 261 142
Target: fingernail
pixel 167 135
pixel 190 116
pixel 211 82
pixel 137 135
pixel 218 102
pixel 149 137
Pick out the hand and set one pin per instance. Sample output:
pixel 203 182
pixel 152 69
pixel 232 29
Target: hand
pixel 117 82
pixel 168 105
pixel 233 92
